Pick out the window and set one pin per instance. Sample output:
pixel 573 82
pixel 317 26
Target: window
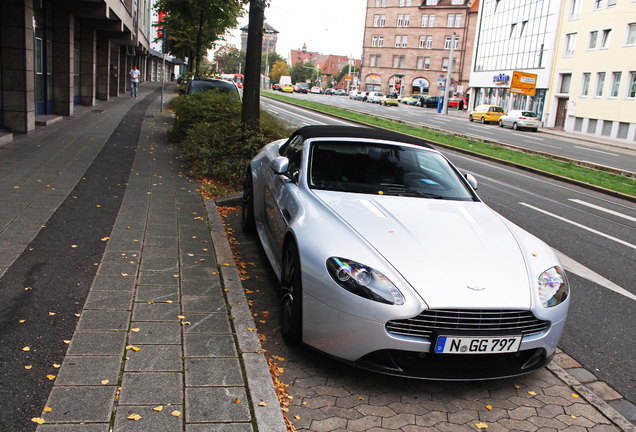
pixel 378 60
pixel 616 83
pixel 457 2
pixel 404 3
pixel 451 20
pixel 374 40
pixel 429 42
pixel 422 41
pixel 400 20
pixel 566 80
pixel 431 20
pixel 570 44
pixel 376 20
pixel 598 4
pixel 447 42
pixel 600 83
pixel 444 63
pixel 611 3
pixel 592 42
pixel 605 38
pixel 398 41
pixel 402 61
pixel 382 20
pixel 631 88
pixel 396 61
pixel 431 3
pixel 420 62
pixel 427 63
pixel 372 60
pixel 404 41
pixel 407 20
pixel 380 3
pixel 458 20
pixel 630 40
pixel 585 86
pixel 380 41
pixel 575 9
pixel 425 20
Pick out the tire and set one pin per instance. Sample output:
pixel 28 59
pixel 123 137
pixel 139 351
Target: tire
pixel 470 118
pixel 534 130
pixel 500 123
pixel 248 222
pixel 483 120
pixel 291 296
pixel 515 126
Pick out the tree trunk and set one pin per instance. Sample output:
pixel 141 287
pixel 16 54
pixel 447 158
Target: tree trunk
pixel 251 88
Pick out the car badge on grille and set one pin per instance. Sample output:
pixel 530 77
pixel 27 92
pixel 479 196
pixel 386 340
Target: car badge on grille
pixel 476 288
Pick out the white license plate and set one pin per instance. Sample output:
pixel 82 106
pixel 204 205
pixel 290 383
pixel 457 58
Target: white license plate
pixel 477 345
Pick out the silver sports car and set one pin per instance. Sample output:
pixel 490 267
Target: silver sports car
pixel 388 259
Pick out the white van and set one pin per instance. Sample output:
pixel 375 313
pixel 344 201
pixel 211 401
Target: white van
pixel 285 79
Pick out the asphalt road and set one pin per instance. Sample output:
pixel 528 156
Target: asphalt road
pixel 596 235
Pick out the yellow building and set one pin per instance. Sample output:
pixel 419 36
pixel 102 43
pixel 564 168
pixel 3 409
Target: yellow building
pixel 593 85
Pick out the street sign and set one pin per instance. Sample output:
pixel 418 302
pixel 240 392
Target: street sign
pixel 523 83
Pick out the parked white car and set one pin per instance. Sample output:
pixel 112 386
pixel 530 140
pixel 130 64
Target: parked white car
pixel 519 119
pixel 375 97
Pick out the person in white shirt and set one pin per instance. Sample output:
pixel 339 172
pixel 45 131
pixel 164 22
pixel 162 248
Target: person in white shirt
pixel 134 81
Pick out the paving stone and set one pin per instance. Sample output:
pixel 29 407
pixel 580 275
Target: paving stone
pixel 543 422
pixel 156 312
pixel 121 257
pixel 216 404
pixel 403 408
pixel 155 358
pixel 493 415
pixel 320 402
pixel 151 388
pixel 374 410
pixel 157 278
pixel 200 288
pixel 208 323
pixel 207 274
pixel 203 304
pixel 219 427
pixel 518 425
pixel 89 370
pixel 584 410
pixel 364 423
pixel 162 241
pixel 328 425
pixel 151 420
pixel 155 332
pixel 76 404
pixel 113 283
pixel 203 371
pixel 565 361
pixel 110 268
pixel 462 417
pixel 85 427
pixel 104 320
pixel 97 343
pixel 109 300
pixel 151 252
pixel 157 294
pixel 208 345
pixel 550 411
pixel 398 421
pixel 159 264
pixel 522 413
pixel 605 392
pixel 346 413
pixel 626 408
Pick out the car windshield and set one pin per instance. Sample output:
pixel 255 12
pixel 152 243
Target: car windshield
pixel 222 86
pixel 384 169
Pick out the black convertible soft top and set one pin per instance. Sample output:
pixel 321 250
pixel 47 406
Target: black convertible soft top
pixel 328 131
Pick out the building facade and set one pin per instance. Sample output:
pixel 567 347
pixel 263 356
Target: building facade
pixel 593 85
pixel 270 38
pixel 514 35
pixel 407 45
pixel 57 54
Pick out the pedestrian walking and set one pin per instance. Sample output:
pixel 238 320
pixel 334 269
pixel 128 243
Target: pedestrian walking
pixel 460 107
pixel 134 81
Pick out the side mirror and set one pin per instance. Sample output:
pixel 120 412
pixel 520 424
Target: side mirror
pixel 279 165
pixel 471 180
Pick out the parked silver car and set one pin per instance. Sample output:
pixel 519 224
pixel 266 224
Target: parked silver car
pixel 388 259
pixel 520 119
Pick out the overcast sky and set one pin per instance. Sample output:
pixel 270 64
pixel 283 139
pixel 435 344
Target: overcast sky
pixel 326 26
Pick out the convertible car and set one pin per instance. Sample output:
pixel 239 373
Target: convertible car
pixel 389 260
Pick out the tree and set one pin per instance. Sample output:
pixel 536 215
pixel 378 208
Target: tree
pixel 345 71
pixel 194 25
pixel 279 69
pixel 250 115
pixel 229 59
pixel 299 73
pixel 269 60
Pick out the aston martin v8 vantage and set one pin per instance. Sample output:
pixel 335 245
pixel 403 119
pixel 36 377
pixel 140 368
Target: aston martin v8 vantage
pixel 389 260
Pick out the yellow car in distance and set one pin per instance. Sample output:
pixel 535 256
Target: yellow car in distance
pixel 288 88
pixel 486 113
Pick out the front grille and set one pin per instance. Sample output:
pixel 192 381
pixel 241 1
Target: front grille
pixel 468 320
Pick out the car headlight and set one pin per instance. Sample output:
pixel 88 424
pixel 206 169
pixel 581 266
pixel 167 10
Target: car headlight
pixel 553 287
pixel 363 281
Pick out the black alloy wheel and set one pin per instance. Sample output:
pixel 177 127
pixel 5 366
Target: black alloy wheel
pixel 291 300
pixel 248 222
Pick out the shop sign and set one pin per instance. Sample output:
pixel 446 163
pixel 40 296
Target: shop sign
pixel 501 79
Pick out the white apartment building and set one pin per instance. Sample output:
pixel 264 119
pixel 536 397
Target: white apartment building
pixel 513 35
pixel 593 85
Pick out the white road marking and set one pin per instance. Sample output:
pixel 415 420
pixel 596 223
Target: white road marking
pixel 575 267
pixel 603 209
pixel 623 242
pixel 596 151
pixel 526 136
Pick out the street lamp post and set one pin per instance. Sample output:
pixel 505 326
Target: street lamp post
pixel 314 68
pixel 449 70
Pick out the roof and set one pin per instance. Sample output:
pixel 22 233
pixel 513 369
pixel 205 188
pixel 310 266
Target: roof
pixel 328 131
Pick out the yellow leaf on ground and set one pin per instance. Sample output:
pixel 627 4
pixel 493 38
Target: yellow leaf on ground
pixel 180 316
pixel 26 349
pixel 27 367
pixel 175 276
pixel 481 425
pixel 575 396
pixel 185 322
pixel 21 321
pixel 175 413
pixel 56 366
pixel 169 301
pixel 27 288
pixel 105 238
pixel 158 408
pixel 66 341
pixel 50 377
pixel 128 347
pixel 134 417
pixel 488 407
pixel 297 417
pixel 77 315
pixel 134 330
pixel 237 400
pixel 51 313
pixel 48 409
pixel 262 404
pixel 104 382
pixel 73 246
pixel 135 348
pixel 532 393
pixel 38 420
pixel 124 274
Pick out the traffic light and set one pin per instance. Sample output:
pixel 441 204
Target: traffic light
pixel 160 18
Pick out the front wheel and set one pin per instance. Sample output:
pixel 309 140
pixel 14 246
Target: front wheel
pixel 248 222
pixel 500 123
pixel 291 302
pixel 470 118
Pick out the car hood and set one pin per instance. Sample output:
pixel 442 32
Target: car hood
pixel 455 254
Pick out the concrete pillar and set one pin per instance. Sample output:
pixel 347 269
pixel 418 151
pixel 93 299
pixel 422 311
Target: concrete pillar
pixel 88 48
pixel 103 67
pixel 62 67
pixel 115 70
pixel 124 86
pixel 18 80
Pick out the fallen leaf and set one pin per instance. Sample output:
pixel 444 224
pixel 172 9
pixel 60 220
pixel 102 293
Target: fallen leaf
pixel 175 413
pixel 488 407
pixel 134 417
pixel 38 420
pixel 297 417
pixel 48 409
pixel 73 246
pixel 185 322
pixel 78 315
pixel 532 393
pixel 27 367
pixel 104 382
pixel 136 330
pixel 237 400
pixel 250 329
pixel 50 377
pixel 56 366
pixel 105 238
pixel 180 316
pixel 169 301
pixel 66 341
pixel 575 396
pixel 27 288
pixel 175 276
pixel 262 404
pixel 481 425
pixel 124 274
pixel 51 313
pixel 573 416
pixel 21 321
pixel 158 408
pixel 26 349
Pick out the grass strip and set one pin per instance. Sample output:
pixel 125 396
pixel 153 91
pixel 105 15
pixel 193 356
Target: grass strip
pixel 568 169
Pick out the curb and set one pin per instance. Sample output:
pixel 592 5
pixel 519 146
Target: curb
pixel 265 403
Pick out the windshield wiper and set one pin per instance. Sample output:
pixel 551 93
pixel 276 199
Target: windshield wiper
pixel 400 190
